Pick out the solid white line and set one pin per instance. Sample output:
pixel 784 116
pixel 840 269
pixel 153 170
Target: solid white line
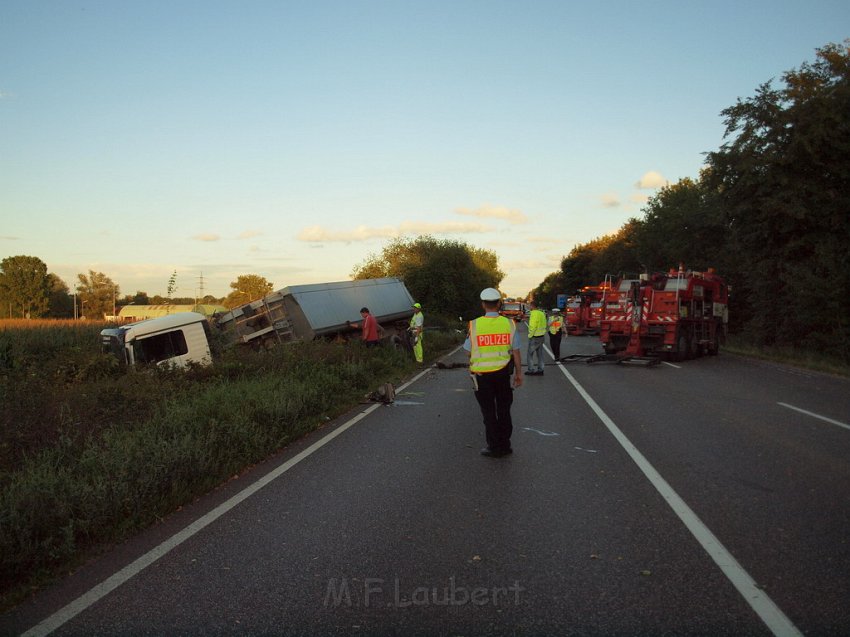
pixel 814 415
pixel 63 615
pixel 672 365
pixel 765 608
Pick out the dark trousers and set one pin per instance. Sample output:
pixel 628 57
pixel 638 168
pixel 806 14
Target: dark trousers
pixel 555 344
pixel 495 397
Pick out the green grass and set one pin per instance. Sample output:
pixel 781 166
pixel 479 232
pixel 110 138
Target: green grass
pixel 90 454
pixel 806 359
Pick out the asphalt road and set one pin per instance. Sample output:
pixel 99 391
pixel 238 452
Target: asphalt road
pixel 695 499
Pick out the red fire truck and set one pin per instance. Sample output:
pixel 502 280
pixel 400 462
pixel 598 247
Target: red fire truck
pixel 680 314
pixel 584 310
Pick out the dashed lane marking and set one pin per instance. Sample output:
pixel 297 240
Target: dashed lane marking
pixel 814 415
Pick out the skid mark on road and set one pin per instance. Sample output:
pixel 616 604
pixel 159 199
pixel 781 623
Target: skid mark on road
pixel 759 601
pixel 542 433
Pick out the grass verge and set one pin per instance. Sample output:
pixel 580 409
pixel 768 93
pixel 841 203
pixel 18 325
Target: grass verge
pixel 96 486
pixel 737 344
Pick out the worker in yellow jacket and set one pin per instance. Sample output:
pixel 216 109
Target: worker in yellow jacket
pixel 536 333
pixel 417 326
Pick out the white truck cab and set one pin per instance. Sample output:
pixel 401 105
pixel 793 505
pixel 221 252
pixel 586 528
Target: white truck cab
pixel 177 339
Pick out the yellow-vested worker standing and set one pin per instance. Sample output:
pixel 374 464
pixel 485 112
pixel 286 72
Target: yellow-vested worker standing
pixel 557 329
pixel 417 325
pixel 536 332
pixel 493 346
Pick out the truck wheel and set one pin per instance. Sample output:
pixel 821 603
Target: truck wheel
pixel 695 350
pixel 681 347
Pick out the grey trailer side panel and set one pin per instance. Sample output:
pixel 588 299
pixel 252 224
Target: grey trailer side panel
pixel 326 307
pixel 303 312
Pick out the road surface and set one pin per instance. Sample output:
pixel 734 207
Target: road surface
pixel 710 497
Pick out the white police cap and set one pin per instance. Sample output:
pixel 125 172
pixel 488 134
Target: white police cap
pixel 490 294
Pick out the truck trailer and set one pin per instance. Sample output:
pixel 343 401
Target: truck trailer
pixel 305 312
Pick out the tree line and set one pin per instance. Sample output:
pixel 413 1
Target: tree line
pixel 770 212
pixel 28 290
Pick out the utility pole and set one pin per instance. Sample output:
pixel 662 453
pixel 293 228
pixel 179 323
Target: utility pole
pixel 200 287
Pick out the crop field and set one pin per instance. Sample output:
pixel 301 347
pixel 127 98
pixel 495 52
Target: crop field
pixel 91 453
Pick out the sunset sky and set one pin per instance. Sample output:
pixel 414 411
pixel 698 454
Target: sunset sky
pixel 294 139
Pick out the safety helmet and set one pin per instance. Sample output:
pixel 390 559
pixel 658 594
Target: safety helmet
pixel 417 306
pixel 556 309
pixel 491 294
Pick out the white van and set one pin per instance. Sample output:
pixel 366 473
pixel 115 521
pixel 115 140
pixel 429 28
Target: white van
pixel 177 339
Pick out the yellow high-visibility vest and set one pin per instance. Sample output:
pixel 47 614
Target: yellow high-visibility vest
pixel 491 343
pixel 536 323
pixel 555 324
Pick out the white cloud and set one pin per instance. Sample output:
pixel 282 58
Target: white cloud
pixel 495 212
pixel 320 234
pixel 638 198
pixel 206 237
pixel 610 200
pixel 249 234
pixel 651 180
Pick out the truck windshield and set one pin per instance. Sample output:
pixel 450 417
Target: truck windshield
pixel 160 347
pixel 113 345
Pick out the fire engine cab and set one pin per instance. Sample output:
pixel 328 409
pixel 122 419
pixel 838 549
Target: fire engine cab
pixel 584 310
pixel 680 314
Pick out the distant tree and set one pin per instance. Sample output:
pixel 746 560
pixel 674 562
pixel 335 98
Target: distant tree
pixel 247 288
pixel 445 276
pixel 172 284
pixel 97 293
pixel 24 287
pixel 61 303
pixel 139 298
pixel 546 294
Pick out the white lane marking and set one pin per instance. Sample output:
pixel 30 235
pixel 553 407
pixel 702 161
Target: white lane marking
pixel 672 365
pixel 814 415
pixel 98 592
pixel 765 608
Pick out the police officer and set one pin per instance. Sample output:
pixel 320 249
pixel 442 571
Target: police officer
pixel 493 346
pixel 556 330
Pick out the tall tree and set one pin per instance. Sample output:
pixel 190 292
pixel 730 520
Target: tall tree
pixel 683 223
pixel 247 288
pixel 98 295
pixel 784 181
pixel 445 276
pixel 24 286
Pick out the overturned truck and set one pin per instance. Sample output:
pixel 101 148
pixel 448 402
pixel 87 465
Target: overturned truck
pixel 305 312
pixel 295 313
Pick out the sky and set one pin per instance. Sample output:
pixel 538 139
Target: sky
pixel 294 140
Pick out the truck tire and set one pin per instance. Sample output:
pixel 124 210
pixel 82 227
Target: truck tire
pixel 682 346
